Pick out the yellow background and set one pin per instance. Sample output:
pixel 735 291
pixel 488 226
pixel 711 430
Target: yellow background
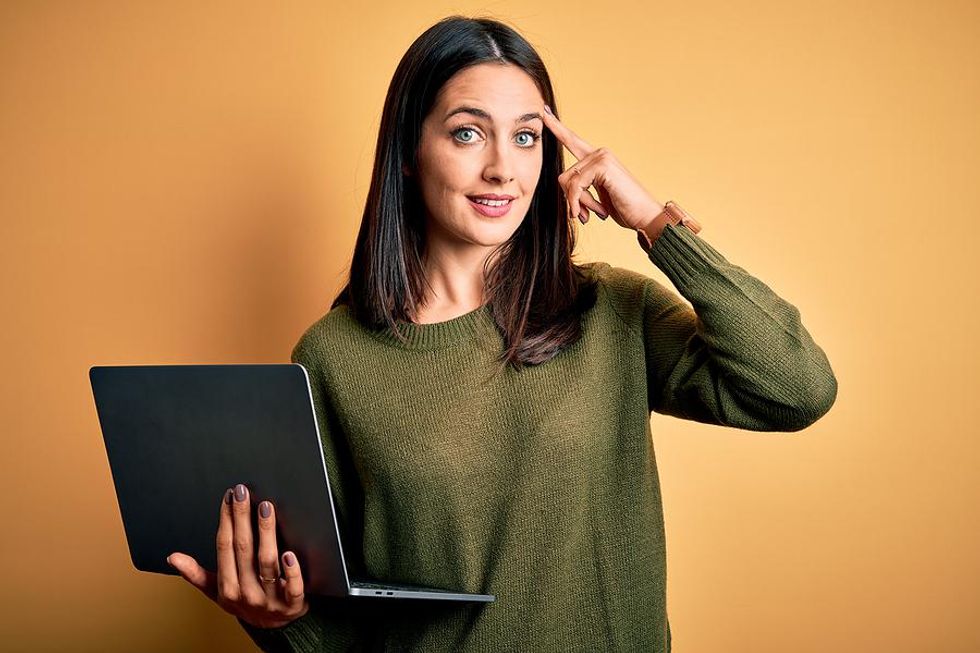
pixel 182 182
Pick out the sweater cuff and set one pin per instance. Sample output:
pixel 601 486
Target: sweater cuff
pixel 682 255
pixel 302 634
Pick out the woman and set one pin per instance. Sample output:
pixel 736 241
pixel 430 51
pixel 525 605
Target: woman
pixel 485 402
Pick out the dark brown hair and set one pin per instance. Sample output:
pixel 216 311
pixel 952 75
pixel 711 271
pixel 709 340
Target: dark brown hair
pixel 536 293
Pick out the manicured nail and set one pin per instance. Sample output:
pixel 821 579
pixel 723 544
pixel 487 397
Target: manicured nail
pixel 239 492
pixel 228 494
pixel 548 109
pixel 290 559
pixel 168 561
pixel 265 509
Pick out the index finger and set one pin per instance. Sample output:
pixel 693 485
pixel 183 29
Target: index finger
pixel 575 143
pixel 227 572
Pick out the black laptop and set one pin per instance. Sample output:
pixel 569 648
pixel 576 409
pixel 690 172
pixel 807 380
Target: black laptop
pixel 177 436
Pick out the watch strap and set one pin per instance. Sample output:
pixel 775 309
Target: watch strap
pixel 672 213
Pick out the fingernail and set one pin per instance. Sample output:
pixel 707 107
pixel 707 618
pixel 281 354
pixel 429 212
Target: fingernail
pixel 228 494
pixel 265 509
pixel 168 561
pixel 239 492
pixel 290 559
pixel 548 109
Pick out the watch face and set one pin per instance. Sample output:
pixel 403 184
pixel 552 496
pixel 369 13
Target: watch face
pixel 674 212
pixel 680 216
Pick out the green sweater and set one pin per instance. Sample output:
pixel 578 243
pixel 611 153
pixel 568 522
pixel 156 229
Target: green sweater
pixel 539 486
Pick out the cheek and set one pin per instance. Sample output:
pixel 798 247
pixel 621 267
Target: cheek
pixel 531 174
pixel 451 173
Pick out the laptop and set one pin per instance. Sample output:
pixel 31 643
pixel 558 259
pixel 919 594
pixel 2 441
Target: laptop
pixel 177 436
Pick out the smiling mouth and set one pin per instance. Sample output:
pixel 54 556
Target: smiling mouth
pixel 486 202
pixel 491 208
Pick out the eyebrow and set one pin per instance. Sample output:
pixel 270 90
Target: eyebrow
pixel 480 113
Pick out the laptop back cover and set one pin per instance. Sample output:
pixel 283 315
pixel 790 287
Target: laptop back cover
pixel 177 436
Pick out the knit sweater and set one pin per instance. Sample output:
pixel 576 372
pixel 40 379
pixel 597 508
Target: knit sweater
pixel 540 486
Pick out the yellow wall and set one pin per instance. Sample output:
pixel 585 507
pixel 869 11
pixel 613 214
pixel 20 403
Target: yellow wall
pixel 181 182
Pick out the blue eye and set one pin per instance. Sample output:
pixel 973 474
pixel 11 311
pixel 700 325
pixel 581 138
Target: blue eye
pixel 533 135
pixel 460 130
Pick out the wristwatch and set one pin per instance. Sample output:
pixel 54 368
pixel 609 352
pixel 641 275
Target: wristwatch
pixel 671 214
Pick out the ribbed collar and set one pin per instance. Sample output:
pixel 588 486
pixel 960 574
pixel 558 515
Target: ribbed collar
pixel 437 335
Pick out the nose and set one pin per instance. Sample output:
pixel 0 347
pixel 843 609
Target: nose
pixel 499 166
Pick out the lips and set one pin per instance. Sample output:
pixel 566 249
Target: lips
pixel 491 211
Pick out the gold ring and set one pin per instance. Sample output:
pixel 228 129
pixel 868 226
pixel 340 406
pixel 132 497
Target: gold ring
pixel 267 580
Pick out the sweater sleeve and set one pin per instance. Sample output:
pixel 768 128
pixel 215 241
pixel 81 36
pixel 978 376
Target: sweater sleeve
pixel 741 357
pixel 331 623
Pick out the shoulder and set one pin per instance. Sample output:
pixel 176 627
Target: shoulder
pixel 629 293
pixel 321 340
pixel 616 279
pixel 620 289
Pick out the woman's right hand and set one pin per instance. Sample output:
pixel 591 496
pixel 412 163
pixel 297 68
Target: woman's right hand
pixel 269 603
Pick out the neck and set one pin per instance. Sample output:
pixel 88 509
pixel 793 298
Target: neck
pixel 456 282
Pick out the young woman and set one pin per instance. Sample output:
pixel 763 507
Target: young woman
pixel 485 401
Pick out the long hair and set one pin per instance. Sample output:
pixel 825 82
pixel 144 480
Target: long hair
pixel 536 293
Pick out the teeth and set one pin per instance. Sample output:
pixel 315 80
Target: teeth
pixel 491 202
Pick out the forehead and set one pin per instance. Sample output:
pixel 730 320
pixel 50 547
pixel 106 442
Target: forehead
pixel 503 89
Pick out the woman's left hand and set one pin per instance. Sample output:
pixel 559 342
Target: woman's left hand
pixel 620 194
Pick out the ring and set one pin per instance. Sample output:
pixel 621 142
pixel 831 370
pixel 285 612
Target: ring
pixel 267 580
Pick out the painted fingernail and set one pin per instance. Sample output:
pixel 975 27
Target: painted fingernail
pixel 290 559
pixel 228 494
pixel 265 509
pixel 239 492
pixel 548 109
